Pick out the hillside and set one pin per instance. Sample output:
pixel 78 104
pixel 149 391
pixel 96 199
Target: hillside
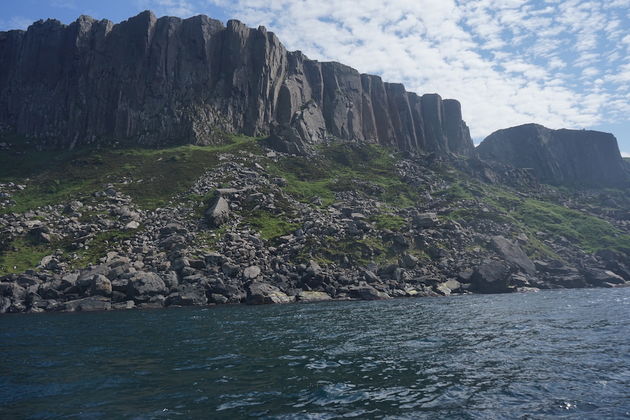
pixel 190 225
pixel 169 162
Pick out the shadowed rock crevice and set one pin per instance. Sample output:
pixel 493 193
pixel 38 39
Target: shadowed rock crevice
pixel 154 82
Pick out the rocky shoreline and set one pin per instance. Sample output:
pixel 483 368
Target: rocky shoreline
pixel 205 251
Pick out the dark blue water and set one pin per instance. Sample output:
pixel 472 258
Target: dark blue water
pixel 562 354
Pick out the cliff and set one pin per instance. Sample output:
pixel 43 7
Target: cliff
pixel 560 157
pixel 155 82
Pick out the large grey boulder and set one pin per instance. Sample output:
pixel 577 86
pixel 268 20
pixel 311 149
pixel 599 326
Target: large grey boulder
pixel 193 295
pixel 88 304
pixel 313 296
pixel 101 286
pixel 492 277
pixel 145 284
pixel 367 292
pixel 513 254
pixel 259 293
pixel 600 277
pixel 218 212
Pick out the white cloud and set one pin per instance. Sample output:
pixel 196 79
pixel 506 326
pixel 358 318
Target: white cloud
pixel 625 154
pixel 508 61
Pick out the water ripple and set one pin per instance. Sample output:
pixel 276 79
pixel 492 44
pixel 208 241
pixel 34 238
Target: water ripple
pixel 562 354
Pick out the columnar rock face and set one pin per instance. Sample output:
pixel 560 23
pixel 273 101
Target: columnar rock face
pixel 561 157
pixel 162 81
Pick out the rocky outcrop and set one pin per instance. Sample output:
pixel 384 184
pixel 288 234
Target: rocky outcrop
pixel 560 157
pixel 162 81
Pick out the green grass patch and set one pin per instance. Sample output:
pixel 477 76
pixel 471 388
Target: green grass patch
pixel 207 241
pixel 152 176
pixel 99 246
pixel 532 215
pixel 590 232
pixel 388 221
pixel 23 254
pixel 269 225
pixel 364 168
pixel 456 192
pixel 358 251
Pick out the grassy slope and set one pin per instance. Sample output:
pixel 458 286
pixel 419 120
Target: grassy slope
pixel 366 169
pixel 152 177
pixel 534 215
pixel 155 175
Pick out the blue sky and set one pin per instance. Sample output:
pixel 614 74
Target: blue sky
pixel 561 63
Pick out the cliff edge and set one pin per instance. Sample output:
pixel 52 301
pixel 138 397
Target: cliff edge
pixel 559 157
pixel 154 82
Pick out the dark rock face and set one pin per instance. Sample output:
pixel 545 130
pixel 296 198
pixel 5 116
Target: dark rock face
pixel 513 254
pixel 162 81
pixel 561 157
pixel 492 277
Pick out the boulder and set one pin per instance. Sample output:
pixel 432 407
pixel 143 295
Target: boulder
pixel 492 277
pixel 251 272
pixel 218 299
pixel 600 277
pixel 408 261
pixel 313 296
pixel 447 287
pixel 513 254
pixel 366 292
pixel 188 296
pixel 229 269
pixel 13 291
pixel 218 212
pixel 5 304
pixel 132 225
pixel 259 293
pixel 425 220
pixel 101 286
pixel 88 304
pixel 145 284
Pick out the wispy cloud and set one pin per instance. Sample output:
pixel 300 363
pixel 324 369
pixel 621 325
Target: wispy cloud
pixel 508 61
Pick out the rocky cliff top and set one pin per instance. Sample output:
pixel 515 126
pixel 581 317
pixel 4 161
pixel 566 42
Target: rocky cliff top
pixel 561 157
pixel 153 81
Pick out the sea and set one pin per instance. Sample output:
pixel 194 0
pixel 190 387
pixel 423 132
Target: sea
pixel 561 354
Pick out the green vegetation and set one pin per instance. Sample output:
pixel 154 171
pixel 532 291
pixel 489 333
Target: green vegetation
pixel 270 226
pixel 150 176
pixel 357 251
pixel 364 168
pixel 532 215
pixel 154 176
pixel 590 232
pixel 388 221
pixel 206 241
pixel 99 246
pixel 23 254
pixel 457 191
